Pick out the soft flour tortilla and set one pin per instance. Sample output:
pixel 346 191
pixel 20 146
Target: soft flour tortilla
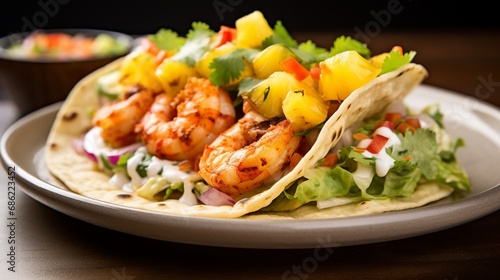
pixel 80 175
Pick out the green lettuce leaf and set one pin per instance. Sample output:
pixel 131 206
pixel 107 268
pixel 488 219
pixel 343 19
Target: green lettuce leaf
pixel 324 183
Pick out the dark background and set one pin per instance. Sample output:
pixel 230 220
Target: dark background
pixel 147 16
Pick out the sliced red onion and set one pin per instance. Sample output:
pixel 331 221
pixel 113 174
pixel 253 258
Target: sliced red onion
pixel 214 197
pixel 77 145
pixel 94 146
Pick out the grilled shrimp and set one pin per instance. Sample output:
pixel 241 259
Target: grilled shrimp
pixel 246 154
pixel 118 119
pixel 179 128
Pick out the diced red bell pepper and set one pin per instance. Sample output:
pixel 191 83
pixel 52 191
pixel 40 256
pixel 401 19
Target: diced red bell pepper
pixel 225 35
pixel 404 126
pixel 292 66
pixel 160 56
pixel 393 117
pixel 377 144
pixel 150 46
pixel 385 123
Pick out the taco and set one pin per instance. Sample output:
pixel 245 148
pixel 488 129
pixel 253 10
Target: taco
pixel 237 123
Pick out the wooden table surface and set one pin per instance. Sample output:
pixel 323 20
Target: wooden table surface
pixel 51 245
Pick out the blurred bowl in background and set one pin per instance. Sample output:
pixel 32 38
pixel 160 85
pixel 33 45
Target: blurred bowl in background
pixel 34 77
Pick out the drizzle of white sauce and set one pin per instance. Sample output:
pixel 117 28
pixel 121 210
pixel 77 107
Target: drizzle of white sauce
pixel 383 161
pixel 158 167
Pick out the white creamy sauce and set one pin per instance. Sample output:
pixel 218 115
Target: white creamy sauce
pixel 93 143
pixel 132 163
pixel 169 170
pixel 121 180
pixel 383 161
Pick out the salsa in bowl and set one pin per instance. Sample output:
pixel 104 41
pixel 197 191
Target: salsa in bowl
pixel 65 45
pixel 41 68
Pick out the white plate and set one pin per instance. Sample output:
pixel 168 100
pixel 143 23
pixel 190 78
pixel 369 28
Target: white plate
pixel 475 121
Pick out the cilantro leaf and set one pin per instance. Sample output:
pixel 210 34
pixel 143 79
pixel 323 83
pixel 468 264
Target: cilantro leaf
pixel 346 43
pixel 311 48
pixel 395 60
pixel 166 39
pixel 228 67
pixel 197 43
pixel 309 53
pixel 199 30
pixel 360 158
pixel 280 36
pixel 247 84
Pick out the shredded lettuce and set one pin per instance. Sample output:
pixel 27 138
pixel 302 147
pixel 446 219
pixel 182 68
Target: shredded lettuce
pixel 156 185
pixel 419 158
pixel 152 186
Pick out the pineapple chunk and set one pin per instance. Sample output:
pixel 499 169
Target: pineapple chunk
pixel 138 70
pixel 268 60
pixel 173 75
pixel 342 73
pixel 378 60
pixel 202 66
pixel 304 108
pixel 267 96
pixel 251 30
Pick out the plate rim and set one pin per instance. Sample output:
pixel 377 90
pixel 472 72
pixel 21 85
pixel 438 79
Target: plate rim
pixel 47 193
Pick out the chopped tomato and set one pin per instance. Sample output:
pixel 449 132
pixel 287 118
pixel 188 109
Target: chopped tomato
pixel 150 46
pixel 385 123
pixel 315 72
pixel 404 126
pixel 55 40
pixel 415 122
pixel 330 160
pixel 358 149
pixel 360 136
pixel 393 117
pixel 377 144
pixel 292 66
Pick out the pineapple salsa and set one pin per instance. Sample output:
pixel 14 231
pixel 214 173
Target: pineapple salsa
pixel 265 66
pixel 267 71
